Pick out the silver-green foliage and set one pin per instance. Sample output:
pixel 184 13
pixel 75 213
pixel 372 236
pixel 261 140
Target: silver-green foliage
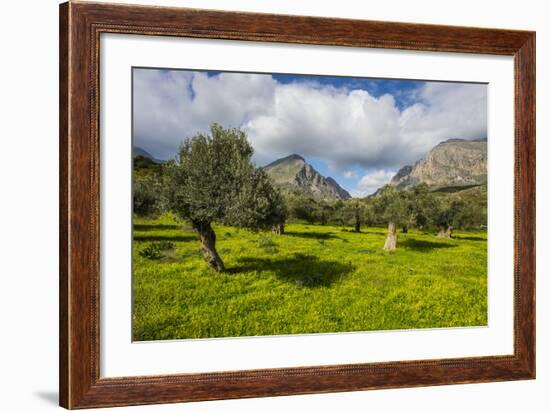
pixel 148 199
pixel 392 205
pixel 214 180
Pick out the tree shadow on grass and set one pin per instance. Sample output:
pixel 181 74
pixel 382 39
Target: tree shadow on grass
pixel 177 238
pixel 368 232
pixel 155 227
pixel 423 245
pixel 380 233
pixel 363 231
pixel 469 238
pixel 300 269
pixel 312 236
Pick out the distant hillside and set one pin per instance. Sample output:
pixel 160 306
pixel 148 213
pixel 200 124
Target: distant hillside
pixel 139 152
pixel 451 164
pixel 294 174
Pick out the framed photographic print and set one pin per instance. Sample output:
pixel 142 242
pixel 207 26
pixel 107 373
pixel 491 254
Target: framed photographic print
pixel 258 205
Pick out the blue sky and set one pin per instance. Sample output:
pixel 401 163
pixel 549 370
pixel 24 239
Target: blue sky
pixel 359 131
pixel 402 90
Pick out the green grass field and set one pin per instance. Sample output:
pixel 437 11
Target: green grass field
pixel 313 279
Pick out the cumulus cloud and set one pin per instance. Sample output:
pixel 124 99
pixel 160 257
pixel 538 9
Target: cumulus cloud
pixel 372 181
pixel 445 110
pixel 171 105
pixel 349 129
pixel 344 127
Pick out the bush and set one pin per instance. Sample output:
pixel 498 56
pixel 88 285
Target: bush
pixel 154 251
pixel 148 197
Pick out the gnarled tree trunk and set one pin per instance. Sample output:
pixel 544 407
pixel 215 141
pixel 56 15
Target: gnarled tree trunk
pixel 391 239
pixel 357 227
pixel 445 231
pixel 278 229
pixel 208 245
pixel 405 229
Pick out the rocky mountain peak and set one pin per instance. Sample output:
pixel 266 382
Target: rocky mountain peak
pixel 296 157
pixel 452 163
pixel 293 174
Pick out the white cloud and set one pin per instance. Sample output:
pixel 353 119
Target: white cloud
pixel 445 110
pixel 170 106
pixel 348 129
pixel 372 181
pixel 344 128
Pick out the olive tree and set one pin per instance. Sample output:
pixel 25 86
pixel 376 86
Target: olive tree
pixel 420 206
pixel 213 180
pixel 357 212
pixel 278 227
pixel 323 212
pixel 302 208
pixel 411 212
pixel 446 215
pixel 392 206
pixel 148 200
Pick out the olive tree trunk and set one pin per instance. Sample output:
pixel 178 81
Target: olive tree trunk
pixel 445 231
pixel 405 229
pixel 278 229
pixel 357 227
pixel 391 239
pixel 207 238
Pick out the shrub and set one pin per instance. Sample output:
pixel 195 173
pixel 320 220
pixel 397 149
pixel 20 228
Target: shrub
pixel 154 251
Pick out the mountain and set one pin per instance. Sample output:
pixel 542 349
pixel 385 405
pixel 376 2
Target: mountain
pixel 138 151
pixel 453 163
pixel 294 174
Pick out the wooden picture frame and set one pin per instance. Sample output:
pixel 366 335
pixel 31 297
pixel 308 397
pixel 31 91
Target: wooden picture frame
pixel 80 27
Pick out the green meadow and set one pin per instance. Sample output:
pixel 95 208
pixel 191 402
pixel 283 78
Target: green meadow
pixel 312 279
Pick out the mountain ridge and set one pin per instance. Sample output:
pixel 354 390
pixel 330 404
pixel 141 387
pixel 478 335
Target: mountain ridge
pixel 294 174
pixel 138 151
pixel 451 163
